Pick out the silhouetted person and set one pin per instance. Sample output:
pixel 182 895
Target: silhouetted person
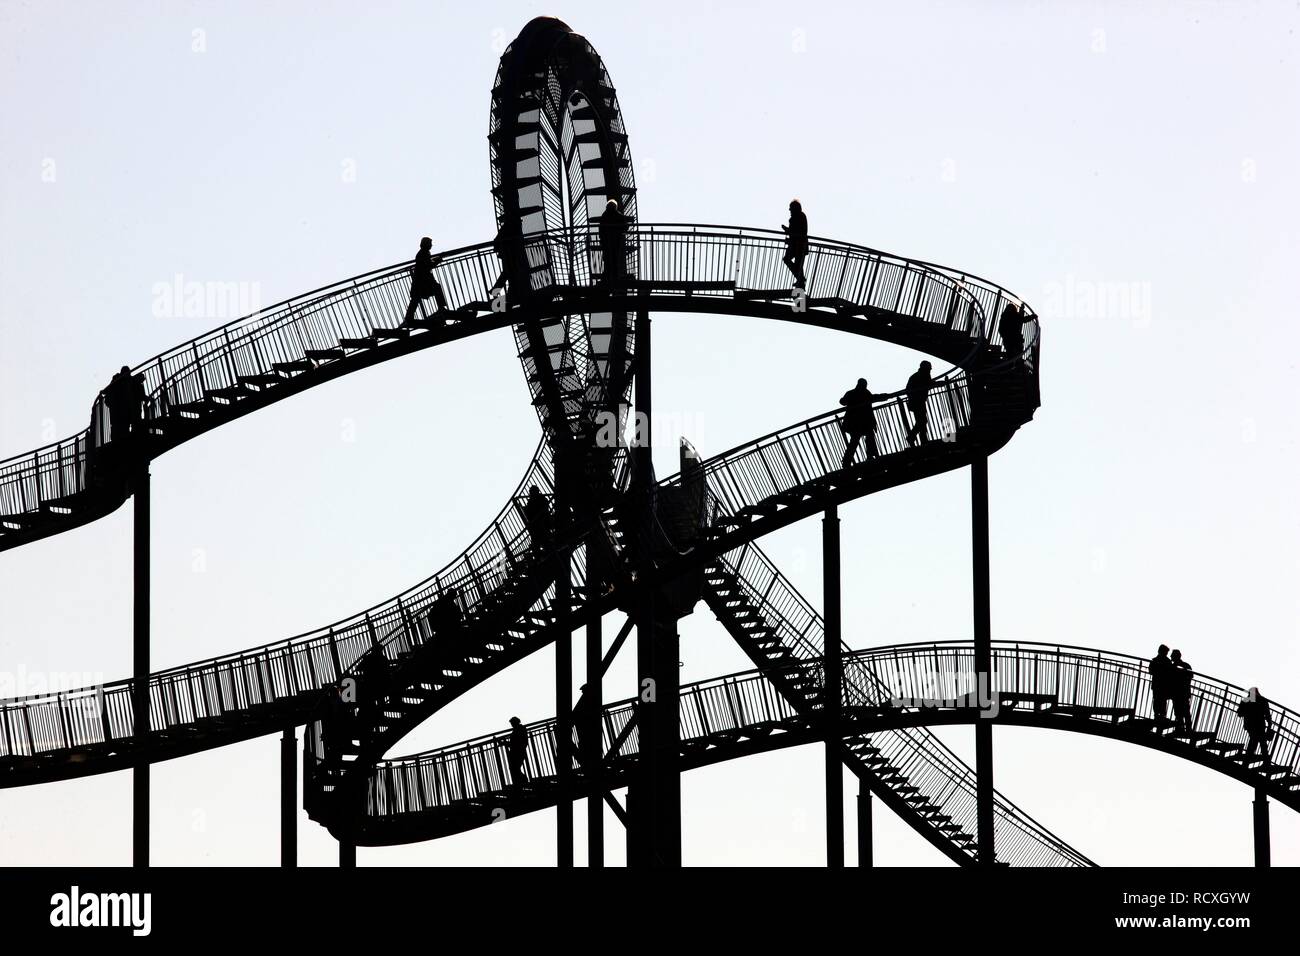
pixel 372 670
pixel 1160 668
pixel 584 712
pixel 796 242
pixel 125 398
pixel 1181 692
pixel 537 518
pixel 859 422
pixel 517 751
pixel 918 391
pixel 1257 719
pixel 509 247
pixel 613 241
pixel 423 283
pixel 1012 329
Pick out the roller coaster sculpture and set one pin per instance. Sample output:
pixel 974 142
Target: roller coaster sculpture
pixel 620 538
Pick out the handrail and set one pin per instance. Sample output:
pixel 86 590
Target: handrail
pixel 348 638
pixel 225 356
pixel 343 642
pixel 1080 659
pixel 779 603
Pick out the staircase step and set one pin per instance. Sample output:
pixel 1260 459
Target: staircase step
pixel 227 393
pixel 1222 747
pixel 325 355
pixel 297 365
pixel 194 409
pixel 353 343
pixel 260 379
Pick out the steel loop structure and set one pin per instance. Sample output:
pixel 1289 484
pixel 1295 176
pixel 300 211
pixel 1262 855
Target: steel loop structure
pixel 577 284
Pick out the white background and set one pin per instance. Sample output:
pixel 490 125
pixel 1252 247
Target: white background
pixel 1053 148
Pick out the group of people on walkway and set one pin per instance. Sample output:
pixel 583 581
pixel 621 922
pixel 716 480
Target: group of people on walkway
pixel 859 421
pixel 585 712
pixel 1171 682
pixel 124 397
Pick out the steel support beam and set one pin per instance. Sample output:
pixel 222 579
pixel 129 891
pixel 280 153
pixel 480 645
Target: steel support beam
pixel 832 665
pixel 563 711
pixel 289 797
pixel 979 493
pixel 1263 849
pixel 655 798
pixel 591 736
pixel 140 660
pixel 864 826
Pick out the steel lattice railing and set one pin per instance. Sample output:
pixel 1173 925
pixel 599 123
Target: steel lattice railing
pixel 717 711
pixel 922 757
pixel 672 259
pixel 285 670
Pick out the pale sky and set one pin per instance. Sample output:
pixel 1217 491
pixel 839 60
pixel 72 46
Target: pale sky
pixel 1131 170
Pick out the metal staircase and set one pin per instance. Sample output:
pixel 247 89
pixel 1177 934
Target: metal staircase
pixel 911 769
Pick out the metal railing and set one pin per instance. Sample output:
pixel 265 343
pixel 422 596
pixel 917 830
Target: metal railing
pixel 285 670
pixel 923 759
pixel 1102 682
pixel 724 711
pixel 672 257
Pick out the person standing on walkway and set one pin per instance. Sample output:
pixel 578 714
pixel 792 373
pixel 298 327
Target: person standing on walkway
pixel 796 242
pixel 1257 719
pixel 1181 688
pixel 918 393
pixel 1161 670
pixel 517 752
pixel 613 241
pixel 859 422
pixel 423 283
pixel 537 519
pixel 125 397
pixel 1011 326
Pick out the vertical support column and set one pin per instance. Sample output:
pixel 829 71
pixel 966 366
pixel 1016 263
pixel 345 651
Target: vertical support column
pixel 667 711
pixel 1263 848
pixel 563 697
pixel 594 756
pixel 640 802
pixel 865 849
pixel 832 665
pixel 289 797
pixel 979 493
pixel 654 799
pixel 347 855
pixel 140 661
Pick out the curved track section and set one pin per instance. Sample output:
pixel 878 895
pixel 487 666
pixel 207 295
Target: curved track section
pixel 892 689
pixel 762 485
pixel 911 770
pixel 304 342
pixel 558 152
pixel 559 149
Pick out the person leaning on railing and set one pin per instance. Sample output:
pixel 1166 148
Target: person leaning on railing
pixel 125 398
pixel 1011 326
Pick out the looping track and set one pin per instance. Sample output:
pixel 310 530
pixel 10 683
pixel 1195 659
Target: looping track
pixel 558 151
